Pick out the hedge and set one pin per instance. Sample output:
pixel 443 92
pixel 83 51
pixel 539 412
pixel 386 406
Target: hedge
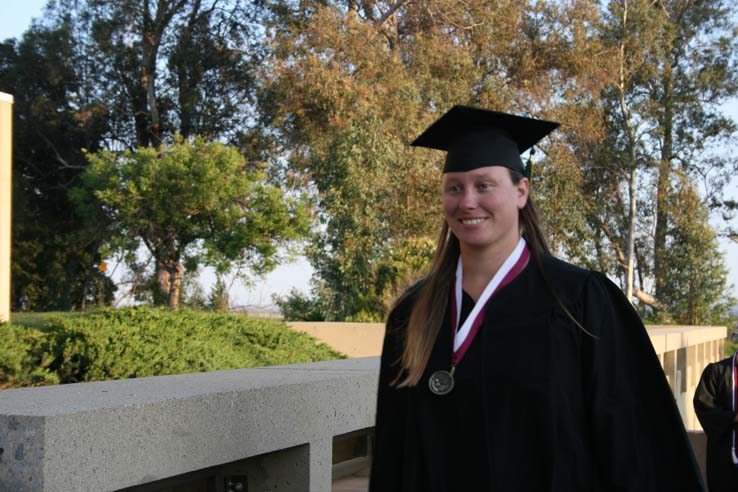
pixel 143 341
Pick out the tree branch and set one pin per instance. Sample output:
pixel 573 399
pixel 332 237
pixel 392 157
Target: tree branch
pixel 393 8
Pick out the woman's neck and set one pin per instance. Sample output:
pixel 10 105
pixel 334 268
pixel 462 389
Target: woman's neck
pixel 479 266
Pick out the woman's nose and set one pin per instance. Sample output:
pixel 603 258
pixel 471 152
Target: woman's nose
pixel 468 199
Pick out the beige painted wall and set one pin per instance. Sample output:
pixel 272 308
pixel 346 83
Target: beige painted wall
pixel 352 339
pixel 6 148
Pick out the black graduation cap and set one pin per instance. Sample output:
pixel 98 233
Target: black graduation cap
pixel 476 138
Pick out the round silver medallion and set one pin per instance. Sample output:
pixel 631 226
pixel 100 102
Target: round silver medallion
pixel 441 383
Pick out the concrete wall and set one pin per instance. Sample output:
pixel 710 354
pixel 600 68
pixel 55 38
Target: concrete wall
pixel 684 352
pixel 6 186
pixel 111 435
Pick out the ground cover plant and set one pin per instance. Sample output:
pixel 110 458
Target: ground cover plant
pixel 144 341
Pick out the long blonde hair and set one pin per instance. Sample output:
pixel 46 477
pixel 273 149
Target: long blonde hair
pixel 429 309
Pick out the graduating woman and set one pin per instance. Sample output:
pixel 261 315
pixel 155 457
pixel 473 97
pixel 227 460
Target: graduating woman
pixel 506 369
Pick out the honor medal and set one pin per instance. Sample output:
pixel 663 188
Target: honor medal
pixel 441 382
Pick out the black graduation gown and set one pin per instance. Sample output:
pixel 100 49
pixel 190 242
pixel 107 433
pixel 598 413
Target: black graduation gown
pixel 712 403
pixel 539 405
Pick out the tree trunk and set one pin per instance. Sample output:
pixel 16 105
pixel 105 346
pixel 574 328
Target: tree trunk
pixel 633 164
pixel 163 281
pixel 150 38
pixel 631 233
pixel 664 178
pixel 169 278
pixel 691 302
pixel 175 285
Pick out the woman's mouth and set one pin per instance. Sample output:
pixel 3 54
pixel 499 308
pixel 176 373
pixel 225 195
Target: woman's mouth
pixel 472 221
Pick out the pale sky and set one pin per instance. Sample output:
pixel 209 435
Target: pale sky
pixel 15 18
pixel 16 15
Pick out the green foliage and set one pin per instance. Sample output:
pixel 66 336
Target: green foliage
pixel 190 203
pixel 296 306
pixel 167 67
pixel 139 342
pixel 365 317
pixel 218 297
pixel 403 266
pixel 730 347
pixel 347 93
pixel 674 66
pixel 695 292
pixel 39 320
pixel 54 119
pixel 91 75
pixel 363 194
pixel 21 358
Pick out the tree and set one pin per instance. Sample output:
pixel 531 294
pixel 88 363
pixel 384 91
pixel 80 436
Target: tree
pixel 92 74
pixel 633 70
pixel 347 88
pixel 698 74
pixel 675 66
pixel 695 292
pixel 170 67
pixel 55 265
pixel 190 203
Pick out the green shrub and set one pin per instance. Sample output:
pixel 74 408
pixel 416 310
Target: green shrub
pixel 364 316
pixel 143 341
pixel 296 306
pixel 730 347
pixel 21 358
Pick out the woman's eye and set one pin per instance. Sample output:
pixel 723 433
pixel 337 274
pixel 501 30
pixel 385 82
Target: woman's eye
pixel 484 186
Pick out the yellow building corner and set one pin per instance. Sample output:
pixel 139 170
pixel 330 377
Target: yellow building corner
pixel 6 187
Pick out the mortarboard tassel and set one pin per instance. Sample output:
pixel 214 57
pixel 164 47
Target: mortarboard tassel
pixel 528 171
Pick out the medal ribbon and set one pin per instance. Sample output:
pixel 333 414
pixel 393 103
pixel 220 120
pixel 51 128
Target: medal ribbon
pixel 510 269
pixel 735 405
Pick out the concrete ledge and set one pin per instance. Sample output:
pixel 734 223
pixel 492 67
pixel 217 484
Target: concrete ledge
pixel 668 337
pixel 116 434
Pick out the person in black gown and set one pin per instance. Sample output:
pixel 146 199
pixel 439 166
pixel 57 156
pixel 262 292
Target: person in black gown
pixel 506 369
pixel 716 403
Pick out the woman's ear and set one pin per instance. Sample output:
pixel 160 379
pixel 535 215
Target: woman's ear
pixel 523 188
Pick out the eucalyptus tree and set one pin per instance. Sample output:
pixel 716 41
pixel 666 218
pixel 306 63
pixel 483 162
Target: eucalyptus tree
pixel 675 67
pixel 698 74
pixel 347 87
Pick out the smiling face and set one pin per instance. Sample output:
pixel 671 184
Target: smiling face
pixel 481 207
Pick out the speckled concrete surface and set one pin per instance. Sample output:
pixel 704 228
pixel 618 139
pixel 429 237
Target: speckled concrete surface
pixel 116 434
